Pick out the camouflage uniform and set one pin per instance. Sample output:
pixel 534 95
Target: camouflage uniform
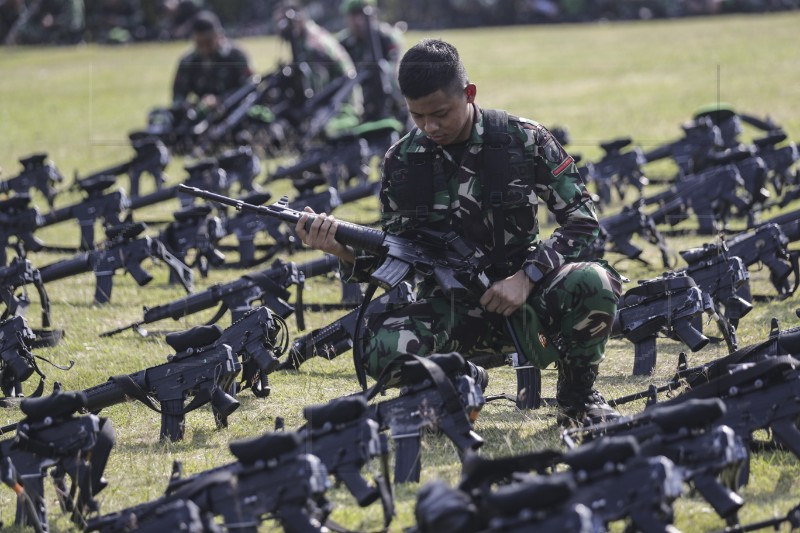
pixel 377 105
pixel 227 70
pixel 327 61
pixel 574 302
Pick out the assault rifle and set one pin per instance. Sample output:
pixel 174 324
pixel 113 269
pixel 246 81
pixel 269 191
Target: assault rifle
pixel 442 509
pixel 36 174
pixel 17 363
pixel 337 337
pixel 195 229
pixel 617 169
pixel 779 161
pixel 701 138
pixel 20 221
pixel 437 393
pixel 50 437
pixel 607 476
pixel 723 277
pixel 152 157
pixel 241 165
pixel 123 249
pixel 273 478
pixel 18 274
pixel 777 343
pixel 448 258
pixel 207 174
pixel 95 205
pixel 164 514
pixel 758 396
pixel 690 435
pixel 766 244
pixel 339 160
pixel 345 439
pixel 710 194
pixel 269 286
pixel 665 305
pixel 618 230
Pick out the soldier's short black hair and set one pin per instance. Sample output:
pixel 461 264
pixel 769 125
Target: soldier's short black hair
pixel 206 21
pixel 430 66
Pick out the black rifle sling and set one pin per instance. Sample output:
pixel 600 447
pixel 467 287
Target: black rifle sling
pixel 496 172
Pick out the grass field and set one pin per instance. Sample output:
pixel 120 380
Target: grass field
pixel 600 81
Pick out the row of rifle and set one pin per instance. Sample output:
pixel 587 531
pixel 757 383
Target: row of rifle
pixel 631 469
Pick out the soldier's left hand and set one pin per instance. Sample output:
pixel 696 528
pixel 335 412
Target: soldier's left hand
pixel 506 296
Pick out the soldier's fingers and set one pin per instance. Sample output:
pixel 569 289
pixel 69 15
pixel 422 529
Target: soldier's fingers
pixel 308 210
pixel 486 297
pixel 300 227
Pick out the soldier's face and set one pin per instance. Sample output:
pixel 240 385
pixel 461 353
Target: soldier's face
pixel 444 116
pixel 206 43
pixel 357 24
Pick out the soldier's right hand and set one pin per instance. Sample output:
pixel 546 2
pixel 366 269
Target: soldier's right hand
pixel 321 235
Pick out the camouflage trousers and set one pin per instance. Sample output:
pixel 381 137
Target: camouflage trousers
pixel 575 305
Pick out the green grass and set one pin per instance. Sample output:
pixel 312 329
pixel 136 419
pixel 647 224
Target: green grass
pixel 601 81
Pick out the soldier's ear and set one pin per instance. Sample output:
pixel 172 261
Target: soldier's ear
pixel 470 90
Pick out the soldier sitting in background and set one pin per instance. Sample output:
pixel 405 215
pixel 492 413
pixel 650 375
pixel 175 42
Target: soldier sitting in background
pixel 215 67
pixel 443 176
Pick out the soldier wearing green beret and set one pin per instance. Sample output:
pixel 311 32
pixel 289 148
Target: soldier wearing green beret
pixel 483 174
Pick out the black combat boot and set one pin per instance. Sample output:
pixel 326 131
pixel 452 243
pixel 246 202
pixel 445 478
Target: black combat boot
pixel 479 374
pixel 576 397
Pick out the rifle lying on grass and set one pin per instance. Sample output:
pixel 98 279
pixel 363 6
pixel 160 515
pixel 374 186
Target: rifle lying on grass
pixel 36 174
pixel 51 438
pixel 18 274
pixel 701 138
pixel 665 305
pixel 438 394
pixel 241 166
pixel 205 366
pixel 269 286
pixel 194 228
pixel 337 337
pixel 710 194
pixel 617 170
pixel 722 277
pixel 151 157
pixel 611 478
pixel 767 245
pixel 617 231
pixel 97 204
pixel 18 220
pixel 17 363
pixel 124 249
pixel 759 396
pixel 708 453
pixel 447 257
pixel 345 439
pixel 777 343
pixel 274 478
pixel 154 517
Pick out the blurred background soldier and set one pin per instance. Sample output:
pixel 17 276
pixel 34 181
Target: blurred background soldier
pixel 215 67
pixel 48 22
pixel 374 47
pixel 318 59
pixel 114 21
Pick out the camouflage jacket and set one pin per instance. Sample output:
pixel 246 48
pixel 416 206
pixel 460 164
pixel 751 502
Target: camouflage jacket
pixel 377 104
pixel 540 169
pixel 226 71
pixel 323 54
